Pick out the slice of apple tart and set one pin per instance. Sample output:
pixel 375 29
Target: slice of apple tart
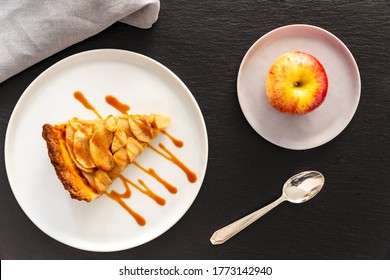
pixel 88 155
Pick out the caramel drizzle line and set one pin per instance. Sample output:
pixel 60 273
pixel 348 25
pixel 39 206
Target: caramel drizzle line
pixel 178 143
pixel 119 199
pixel 81 98
pixel 191 176
pixel 152 172
pixel 114 102
pixel 147 191
pixel 144 189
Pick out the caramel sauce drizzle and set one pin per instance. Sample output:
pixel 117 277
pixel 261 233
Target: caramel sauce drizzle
pixel 178 143
pixel 152 172
pixel 147 191
pixel 118 197
pixel 81 98
pixel 143 188
pixel 191 176
pixel 114 102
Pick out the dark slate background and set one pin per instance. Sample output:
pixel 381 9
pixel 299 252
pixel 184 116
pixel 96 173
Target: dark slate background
pixel 203 42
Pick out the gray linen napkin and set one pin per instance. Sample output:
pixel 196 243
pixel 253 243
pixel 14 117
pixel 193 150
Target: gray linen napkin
pixel 31 30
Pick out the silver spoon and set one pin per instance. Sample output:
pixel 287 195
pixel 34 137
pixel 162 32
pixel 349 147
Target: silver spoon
pixel 299 188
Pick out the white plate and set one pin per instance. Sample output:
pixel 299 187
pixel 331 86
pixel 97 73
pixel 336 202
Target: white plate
pixel 324 123
pixel 148 87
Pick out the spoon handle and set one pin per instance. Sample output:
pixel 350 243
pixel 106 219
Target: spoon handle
pixel 227 232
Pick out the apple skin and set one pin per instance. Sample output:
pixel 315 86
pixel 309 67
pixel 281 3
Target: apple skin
pixel 296 83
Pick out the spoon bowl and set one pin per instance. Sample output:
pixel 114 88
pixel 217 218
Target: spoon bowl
pixel 299 188
pixel 303 186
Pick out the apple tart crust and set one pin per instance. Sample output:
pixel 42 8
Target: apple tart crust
pixel 88 155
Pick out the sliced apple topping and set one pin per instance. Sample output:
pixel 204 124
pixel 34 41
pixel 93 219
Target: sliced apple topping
pixel 121 161
pixel 160 122
pixel 99 147
pixel 134 148
pixel 75 124
pixel 119 141
pixel 110 123
pixel 90 176
pixel 81 149
pixel 69 136
pixel 102 149
pixel 102 181
pixel 138 128
pixel 123 123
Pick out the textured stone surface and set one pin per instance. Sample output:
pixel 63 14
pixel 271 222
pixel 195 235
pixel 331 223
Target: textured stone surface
pixel 203 42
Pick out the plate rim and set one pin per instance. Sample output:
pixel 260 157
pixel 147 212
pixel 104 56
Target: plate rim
pixel 62 64
pixel 283 28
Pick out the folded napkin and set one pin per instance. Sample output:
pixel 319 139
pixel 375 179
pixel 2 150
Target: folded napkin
pixel 31 30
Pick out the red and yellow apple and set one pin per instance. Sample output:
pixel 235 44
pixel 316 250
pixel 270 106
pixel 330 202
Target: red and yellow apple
pixel 297 83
